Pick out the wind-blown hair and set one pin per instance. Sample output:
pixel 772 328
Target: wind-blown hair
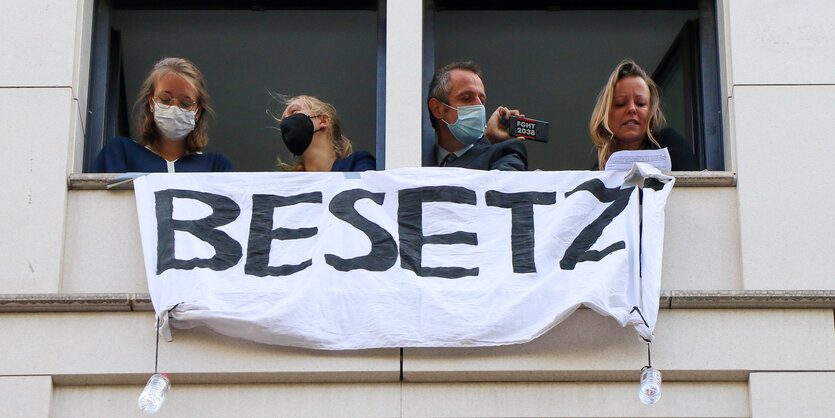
pixel 341 145
pixel 601 133
pixel 441 85
pixel 146 127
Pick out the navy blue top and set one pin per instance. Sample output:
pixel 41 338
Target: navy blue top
pixel 358 161
pixel 122 155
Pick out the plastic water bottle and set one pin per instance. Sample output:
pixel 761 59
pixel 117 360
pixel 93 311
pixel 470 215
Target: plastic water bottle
pixel 650 386
pixel 154 393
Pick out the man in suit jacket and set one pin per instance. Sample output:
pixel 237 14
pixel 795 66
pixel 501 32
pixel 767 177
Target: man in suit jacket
pixel 456 110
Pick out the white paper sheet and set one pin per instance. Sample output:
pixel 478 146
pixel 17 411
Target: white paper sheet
pixel 623 160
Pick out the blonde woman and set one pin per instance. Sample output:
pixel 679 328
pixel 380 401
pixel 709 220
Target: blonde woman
pixel 312 132
pixel 628 116
pixel 173 106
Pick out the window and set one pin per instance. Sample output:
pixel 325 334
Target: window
pixel 327 49
pixel 550 60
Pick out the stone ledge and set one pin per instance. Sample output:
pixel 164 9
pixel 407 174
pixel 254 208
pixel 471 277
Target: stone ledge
pixel 675 299
pixel 237 378
pixel 93 181
pixel 414 378
pixel 75 302
pixel 704 178
pixel 734 299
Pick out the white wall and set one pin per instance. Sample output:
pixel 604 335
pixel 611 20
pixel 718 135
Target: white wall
pixel 781 55
pixel 42 93
pixel 404 97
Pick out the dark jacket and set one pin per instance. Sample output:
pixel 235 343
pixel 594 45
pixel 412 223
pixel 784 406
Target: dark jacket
pixel 509 155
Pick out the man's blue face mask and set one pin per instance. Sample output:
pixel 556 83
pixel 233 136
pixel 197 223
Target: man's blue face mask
pixel 471 123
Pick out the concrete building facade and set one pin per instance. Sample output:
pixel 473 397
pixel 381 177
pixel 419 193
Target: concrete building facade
pixel 746 326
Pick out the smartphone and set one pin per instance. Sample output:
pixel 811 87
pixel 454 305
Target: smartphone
pixel 530 129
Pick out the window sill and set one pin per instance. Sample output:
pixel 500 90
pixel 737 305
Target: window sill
pixel 90 181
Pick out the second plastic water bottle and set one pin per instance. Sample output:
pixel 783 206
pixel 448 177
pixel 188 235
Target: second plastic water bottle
pixel 154 393
pixel 650 386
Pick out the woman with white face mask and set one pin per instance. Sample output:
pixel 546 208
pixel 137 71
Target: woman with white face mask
pixel 172 126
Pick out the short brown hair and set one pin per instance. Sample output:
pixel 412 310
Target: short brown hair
pixel 440 86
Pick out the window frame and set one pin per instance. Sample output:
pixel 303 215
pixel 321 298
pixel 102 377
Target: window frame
pixel 107 110
pixel 707 112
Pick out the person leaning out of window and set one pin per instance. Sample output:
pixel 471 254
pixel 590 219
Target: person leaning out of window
pixel 173 108
pixel 628 116
pixel 312 132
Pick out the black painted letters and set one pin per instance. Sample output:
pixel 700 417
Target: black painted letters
pixel 383 253
pixel 521 229
pixel 410 227
pixel 262 234
pixel 224 210
pixel 579 251
pixel 384 249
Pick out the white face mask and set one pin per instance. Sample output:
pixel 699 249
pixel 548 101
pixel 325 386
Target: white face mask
pixel 173 122
pixel 471 123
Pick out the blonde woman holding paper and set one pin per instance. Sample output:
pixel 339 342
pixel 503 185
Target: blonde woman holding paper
pixel 628 116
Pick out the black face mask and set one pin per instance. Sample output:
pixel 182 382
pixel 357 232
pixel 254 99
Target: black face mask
pixel 297 132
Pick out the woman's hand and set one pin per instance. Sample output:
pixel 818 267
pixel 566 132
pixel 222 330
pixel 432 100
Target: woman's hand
pixel 498 123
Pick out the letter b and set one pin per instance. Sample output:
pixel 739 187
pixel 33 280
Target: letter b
pixel 224 210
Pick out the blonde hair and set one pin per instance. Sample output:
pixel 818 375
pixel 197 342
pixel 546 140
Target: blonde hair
pixel 146 127
pixel 601 134
pixel 341 145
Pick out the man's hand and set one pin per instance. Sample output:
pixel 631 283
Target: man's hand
pixel 496 130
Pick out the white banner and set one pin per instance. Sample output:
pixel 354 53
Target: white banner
pixel 420 257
